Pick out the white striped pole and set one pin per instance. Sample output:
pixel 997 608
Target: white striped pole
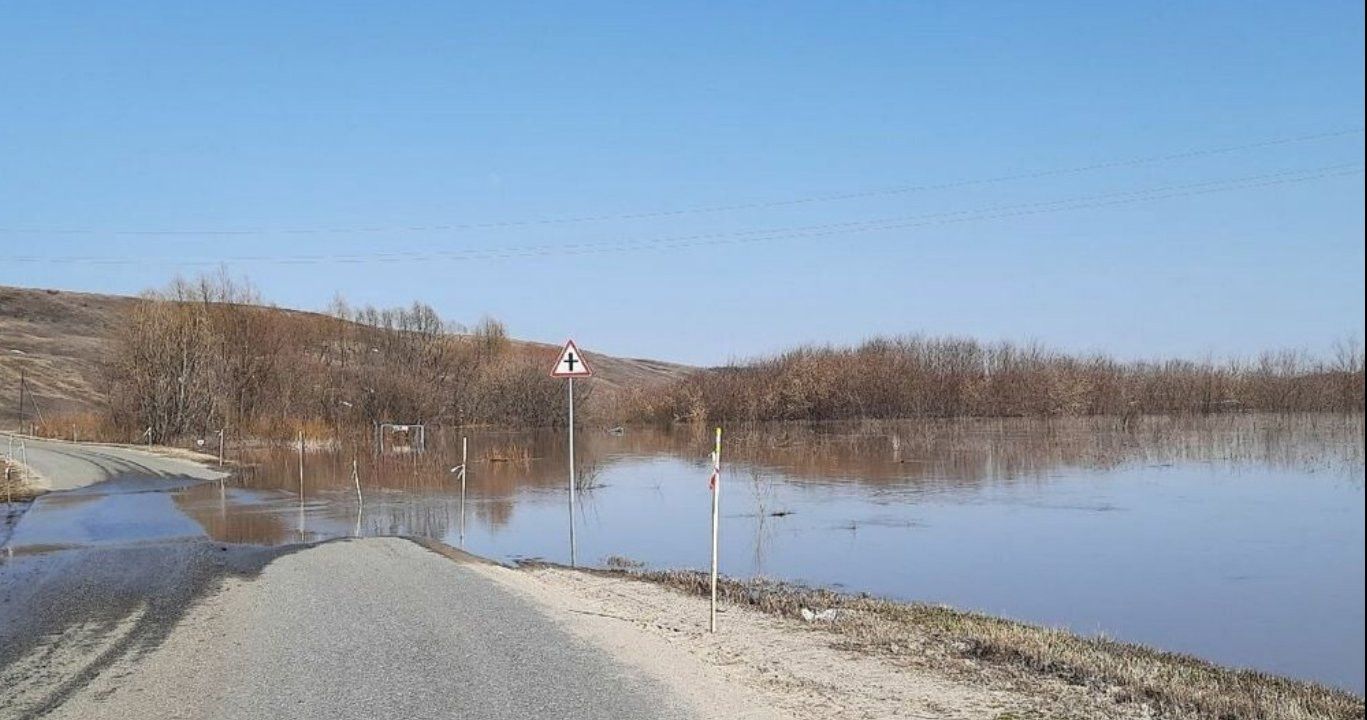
pixel 464 463
pixel 716 497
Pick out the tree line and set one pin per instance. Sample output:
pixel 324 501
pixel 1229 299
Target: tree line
pixel 949 377
pixel 205 354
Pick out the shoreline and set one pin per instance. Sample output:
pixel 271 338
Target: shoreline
pixel 1031 669
pixel 787 652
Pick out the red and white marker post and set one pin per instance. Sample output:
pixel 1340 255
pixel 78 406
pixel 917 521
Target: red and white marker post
pixel 571 365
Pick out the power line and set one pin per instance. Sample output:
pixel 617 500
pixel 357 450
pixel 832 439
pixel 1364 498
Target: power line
pixel 832 197
pixel 762 234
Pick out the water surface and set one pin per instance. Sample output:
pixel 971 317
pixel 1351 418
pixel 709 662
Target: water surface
pixel 1235 538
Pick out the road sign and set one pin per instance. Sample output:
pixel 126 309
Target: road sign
pixel 571 364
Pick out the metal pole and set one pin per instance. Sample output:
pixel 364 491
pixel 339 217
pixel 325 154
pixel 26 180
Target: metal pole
pixel 220 446
pixel 301 486
pixel 571 392
pixel 716 495
pixel 22 379
pixel 463 465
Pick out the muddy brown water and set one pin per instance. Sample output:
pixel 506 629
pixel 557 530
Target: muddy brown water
pixel 1235 538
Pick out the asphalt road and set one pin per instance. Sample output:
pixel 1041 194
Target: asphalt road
pixel 69 466
pixel 189 628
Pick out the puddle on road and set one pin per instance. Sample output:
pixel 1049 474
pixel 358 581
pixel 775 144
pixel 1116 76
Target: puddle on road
pixel 1235 538
pixel 117 515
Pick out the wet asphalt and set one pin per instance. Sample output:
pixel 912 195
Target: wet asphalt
pixel 108 619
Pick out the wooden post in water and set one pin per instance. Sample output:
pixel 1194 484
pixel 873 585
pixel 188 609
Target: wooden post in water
pixel 716 497
pixel 220 446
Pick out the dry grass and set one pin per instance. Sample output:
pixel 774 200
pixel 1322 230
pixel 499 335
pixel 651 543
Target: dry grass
pixel 83 426
pixel 1173 685
pixel 509 452
pixel 15 485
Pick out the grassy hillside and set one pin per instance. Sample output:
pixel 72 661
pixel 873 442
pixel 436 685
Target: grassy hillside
pixel 61 339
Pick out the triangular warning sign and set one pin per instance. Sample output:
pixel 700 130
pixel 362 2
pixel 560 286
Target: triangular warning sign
pixel 571 363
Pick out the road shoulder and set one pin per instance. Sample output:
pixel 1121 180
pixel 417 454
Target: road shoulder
pixel 758 665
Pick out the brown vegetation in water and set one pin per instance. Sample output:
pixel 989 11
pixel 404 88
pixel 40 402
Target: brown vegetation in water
pixel 952 377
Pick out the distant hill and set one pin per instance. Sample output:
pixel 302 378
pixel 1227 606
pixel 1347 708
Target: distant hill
pixel 60 339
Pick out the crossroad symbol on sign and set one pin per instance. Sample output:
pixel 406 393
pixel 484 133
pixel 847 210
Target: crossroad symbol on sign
pixel 571 363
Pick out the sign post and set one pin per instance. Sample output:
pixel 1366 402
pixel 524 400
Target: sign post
pixel 715 485
pixel 571 365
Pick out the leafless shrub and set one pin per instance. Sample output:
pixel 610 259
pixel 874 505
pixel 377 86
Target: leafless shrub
pixel 588 476
pixel 202 355
pixel 951 377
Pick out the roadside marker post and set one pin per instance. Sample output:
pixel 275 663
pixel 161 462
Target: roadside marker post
pixel 715 484
pixel 571 365
pixel 301 465
pixel 464 464
pixel 360 502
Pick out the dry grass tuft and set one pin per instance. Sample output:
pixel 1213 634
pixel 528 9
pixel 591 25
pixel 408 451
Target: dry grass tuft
pixel 14 483
pixel 1173 685
pixel 509 452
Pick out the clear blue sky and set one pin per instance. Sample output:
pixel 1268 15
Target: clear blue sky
pixel 121 119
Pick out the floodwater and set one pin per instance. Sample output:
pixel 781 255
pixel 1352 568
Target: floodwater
pixel 1237 538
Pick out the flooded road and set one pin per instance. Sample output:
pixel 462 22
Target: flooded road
pixel 1236 538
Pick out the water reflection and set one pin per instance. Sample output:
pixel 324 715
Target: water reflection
pixel 1238 537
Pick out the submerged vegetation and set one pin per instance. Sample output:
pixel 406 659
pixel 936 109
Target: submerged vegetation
pixel 1172 685
pixel 954 377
